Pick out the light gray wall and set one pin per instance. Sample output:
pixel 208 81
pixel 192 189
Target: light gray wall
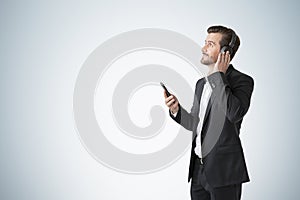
pixel 43 46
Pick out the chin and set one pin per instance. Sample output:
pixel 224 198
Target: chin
pixel 204 62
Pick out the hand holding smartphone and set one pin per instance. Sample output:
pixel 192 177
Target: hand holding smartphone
pixel 167 92
pixel 172 101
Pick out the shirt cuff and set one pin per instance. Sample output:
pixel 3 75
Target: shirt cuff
pixel 217 78
pixel 174 115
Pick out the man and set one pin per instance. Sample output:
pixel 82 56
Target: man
pixel 222 98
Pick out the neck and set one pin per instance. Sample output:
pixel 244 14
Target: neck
pixel 210 69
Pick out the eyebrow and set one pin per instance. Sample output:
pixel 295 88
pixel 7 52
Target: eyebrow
pixel 209 41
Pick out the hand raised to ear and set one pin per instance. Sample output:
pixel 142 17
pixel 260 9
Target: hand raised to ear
pixel 222 63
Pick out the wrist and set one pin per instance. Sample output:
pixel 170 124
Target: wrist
pixel 174 111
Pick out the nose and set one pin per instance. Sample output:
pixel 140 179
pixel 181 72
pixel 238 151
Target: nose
pixel 204 49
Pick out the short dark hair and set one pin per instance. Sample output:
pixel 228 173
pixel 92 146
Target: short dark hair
pixel 226 37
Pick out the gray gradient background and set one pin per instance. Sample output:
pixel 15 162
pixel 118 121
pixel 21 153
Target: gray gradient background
pixel 43 46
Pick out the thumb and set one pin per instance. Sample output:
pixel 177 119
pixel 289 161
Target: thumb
pixel 165 95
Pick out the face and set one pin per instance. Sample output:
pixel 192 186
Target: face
pixel 211 49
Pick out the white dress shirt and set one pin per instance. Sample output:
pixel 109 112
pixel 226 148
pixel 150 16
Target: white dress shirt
pixel 206 93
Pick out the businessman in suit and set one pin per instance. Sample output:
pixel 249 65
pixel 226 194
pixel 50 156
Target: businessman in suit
pixel 222 98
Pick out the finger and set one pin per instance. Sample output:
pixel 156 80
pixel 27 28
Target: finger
pixel 169 99
pixel 170 102
pixel 223 58
pixel 219 58
pixel 165 94
pixel 227 58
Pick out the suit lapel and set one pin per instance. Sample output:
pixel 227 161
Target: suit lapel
pixel 200 90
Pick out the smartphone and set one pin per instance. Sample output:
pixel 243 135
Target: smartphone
pixel 167 92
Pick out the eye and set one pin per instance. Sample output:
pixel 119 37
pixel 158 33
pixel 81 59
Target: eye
pixel 209 44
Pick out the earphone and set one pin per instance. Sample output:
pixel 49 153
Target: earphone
pixel 230 46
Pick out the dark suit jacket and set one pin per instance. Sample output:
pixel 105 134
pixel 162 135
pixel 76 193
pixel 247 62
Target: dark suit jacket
pixel 224 162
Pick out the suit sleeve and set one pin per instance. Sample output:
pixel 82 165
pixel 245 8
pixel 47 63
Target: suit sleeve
pixel 233 100
pixel 186 119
